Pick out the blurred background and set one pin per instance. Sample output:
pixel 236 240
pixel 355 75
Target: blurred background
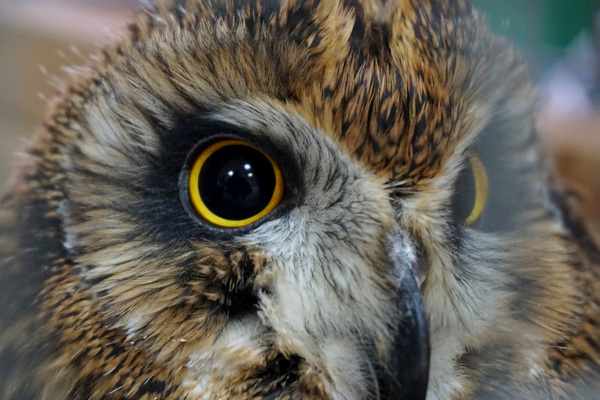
pixel 559 39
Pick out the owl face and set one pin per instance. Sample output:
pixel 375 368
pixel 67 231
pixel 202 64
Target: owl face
pixel 239 302
pixel 320 200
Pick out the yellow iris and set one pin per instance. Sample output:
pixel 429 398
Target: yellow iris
pixel 220 211
pixel 481 189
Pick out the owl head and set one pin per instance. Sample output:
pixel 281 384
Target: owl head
pixel 299 200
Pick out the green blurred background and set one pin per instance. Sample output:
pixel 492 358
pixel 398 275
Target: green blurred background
pixel 541 28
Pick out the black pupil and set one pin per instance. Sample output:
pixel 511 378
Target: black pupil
pixel 465 194
pixel 236 182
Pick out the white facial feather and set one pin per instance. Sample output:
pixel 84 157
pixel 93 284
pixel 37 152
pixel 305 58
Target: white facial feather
pixel 329 257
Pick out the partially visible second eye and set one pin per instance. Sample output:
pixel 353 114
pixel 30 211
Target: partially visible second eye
pixel 233 184
pixel 471 191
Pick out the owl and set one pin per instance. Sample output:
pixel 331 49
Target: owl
pixel 296 199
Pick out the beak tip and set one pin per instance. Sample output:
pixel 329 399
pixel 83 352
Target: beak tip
pixel 408 372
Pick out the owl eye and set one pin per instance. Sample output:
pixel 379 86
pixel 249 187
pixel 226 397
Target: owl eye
pixel 471 192
pixel 233 184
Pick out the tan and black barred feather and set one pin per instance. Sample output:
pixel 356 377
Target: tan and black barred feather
pixel 110 290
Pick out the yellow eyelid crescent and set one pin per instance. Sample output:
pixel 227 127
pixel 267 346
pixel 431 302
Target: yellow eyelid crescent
pixel 203 210
pixel 481 189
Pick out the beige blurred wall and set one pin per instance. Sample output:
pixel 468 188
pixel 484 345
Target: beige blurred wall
pixel 37 39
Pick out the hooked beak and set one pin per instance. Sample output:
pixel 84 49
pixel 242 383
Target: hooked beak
pixel 407 368
pixel 404 373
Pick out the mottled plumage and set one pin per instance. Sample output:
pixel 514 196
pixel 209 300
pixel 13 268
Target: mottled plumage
pixel 113 288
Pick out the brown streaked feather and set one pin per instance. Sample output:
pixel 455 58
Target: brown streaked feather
pixel 121 299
